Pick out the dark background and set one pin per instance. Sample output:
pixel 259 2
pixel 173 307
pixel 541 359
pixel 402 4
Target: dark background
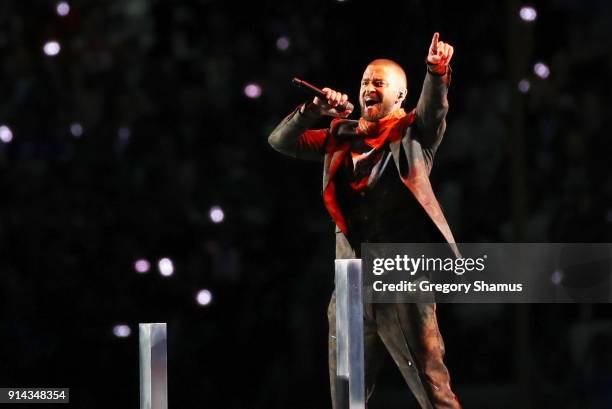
pixel 158 88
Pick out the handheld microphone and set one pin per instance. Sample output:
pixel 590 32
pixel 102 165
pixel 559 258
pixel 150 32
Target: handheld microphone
pixel 316 92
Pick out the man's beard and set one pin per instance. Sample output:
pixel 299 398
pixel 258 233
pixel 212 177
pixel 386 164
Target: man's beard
pixel 376 111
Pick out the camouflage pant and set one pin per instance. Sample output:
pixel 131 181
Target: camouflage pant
pixel 410 334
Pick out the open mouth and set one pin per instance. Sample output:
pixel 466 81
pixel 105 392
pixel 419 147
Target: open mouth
pixel 370 102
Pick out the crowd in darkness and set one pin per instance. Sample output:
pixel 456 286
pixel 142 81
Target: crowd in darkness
pixel 167 132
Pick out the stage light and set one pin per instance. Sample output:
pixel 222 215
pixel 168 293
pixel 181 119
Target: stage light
pixel 556 277
pixel 6 135
pixel 216 214
pixel 51 48
pixel 166 267
pixel 204 297
pixel 283 43
pixel 76 129
pixel 122 331
pixel 62 8
pixel 528 13
pixel 252 90
pixel 541 70
pixel 524 85
pixel 142 266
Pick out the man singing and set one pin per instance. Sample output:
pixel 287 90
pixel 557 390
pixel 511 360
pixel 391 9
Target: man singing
pixel 376 188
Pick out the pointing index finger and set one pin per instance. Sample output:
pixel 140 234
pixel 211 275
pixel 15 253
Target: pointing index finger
pixel 434 42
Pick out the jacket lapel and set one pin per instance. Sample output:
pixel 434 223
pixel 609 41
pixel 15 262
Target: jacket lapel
pixel 333 161
pixel 333 164
pixel 416 179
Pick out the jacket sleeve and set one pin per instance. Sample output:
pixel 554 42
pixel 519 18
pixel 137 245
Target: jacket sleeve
pixel 293 137
pixel 431 109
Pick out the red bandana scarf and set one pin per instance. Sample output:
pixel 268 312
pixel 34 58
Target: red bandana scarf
pixel 375 135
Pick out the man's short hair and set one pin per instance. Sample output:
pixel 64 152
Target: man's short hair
pixel 395 66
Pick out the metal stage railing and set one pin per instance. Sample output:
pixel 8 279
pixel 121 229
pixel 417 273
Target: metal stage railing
pixel 153 366
pixel 350 380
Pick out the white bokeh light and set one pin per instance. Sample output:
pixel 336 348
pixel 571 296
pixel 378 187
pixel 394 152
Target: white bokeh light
pixel 62 8
pixel 142 266
pixel 52 48
pixel 204 297
pixel 216 214
pixel 122 331
pixel 556 277
pixel 541 70
pixel 528 13
pixel 166 267
pixel 76 129
pixel 6 135
pixel 124 133
pixel 524 85
pixel 252 90
pixel 283 43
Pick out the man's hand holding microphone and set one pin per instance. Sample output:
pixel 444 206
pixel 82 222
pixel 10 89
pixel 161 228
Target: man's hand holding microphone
pixel 326 101
pixel 334 103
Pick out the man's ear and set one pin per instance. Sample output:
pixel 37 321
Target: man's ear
pixel 401 94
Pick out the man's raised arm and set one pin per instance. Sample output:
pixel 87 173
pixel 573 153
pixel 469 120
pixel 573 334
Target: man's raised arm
pixel 433 104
